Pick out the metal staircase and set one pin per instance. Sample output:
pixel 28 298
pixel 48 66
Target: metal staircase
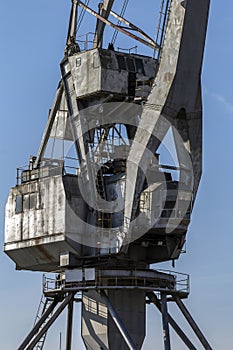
pixel 45 303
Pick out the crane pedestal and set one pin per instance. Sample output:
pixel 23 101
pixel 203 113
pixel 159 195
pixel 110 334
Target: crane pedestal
pixel 105 324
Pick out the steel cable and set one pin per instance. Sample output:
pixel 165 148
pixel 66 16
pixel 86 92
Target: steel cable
pixel 124 7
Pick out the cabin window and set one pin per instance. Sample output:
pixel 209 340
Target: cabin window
pixel 139 66
pixel 121 62
pixel 19 204
pixel 25 202
pixel 130 65
pixel 32 201
pixel 169 205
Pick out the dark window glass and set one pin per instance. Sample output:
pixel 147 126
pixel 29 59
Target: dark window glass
pixel 26 204
pixel 169 205
pixel 32 201
pixel 139 66
pixel 121 62
pixel 165 213
pixel 19 204
pixel 130 65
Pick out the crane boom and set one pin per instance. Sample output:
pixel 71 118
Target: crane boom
pixel 176 96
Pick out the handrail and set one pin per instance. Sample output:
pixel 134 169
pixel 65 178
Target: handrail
pixel 46 170
pixel 177 283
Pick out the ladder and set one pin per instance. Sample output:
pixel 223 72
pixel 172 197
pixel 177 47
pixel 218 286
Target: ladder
pixel 100 185
pixel 161 29
pixel 45 302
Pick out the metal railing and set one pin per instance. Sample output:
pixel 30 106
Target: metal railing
pixel 143 89
pixel 49 167
pixel 86 41
pixel 133 49
pixel 182 280
pixel 163 280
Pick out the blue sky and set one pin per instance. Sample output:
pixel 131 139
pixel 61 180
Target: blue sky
pixel 32 36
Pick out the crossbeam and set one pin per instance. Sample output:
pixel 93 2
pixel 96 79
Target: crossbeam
pixel 151 43
pixel 133 27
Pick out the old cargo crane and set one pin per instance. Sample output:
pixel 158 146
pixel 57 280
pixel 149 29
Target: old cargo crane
pixel 96 205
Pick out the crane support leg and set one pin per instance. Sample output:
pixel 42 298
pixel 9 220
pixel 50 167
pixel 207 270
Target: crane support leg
pixel 69 324
pixel 192 323
pixel 44 323
pixel 153 299
pixel 38 325
pixel 166 333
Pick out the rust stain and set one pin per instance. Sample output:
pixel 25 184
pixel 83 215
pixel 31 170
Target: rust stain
pixel 42 249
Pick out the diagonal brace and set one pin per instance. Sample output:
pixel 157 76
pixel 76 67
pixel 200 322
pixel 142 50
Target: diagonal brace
pixel 118 322
pixel 153 298
pixel 192 323
pixel 50 322
pixel 38 325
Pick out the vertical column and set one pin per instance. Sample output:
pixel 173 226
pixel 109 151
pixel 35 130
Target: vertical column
pixel 166 333
pixel 69 324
